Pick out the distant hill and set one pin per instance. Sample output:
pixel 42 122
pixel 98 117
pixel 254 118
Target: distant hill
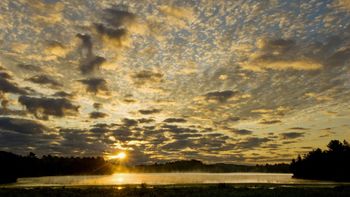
pixel 332 164
pixel 198 166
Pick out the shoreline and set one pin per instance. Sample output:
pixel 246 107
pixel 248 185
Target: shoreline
pixel 205 190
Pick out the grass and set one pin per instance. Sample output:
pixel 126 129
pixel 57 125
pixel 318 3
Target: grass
pixel 182 191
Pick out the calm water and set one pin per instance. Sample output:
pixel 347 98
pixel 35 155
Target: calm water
pixel 163 178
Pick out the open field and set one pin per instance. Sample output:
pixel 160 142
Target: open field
pixel 183 191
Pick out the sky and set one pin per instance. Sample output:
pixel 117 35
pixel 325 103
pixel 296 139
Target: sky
pixel 241 81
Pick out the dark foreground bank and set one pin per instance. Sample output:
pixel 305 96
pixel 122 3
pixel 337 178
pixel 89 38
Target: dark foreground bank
pixel 196 190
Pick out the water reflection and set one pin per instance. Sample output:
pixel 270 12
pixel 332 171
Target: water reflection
pixel 164 178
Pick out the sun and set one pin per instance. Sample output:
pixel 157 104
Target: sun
pixel 119 156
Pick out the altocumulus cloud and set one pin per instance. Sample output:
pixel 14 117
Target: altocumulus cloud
pixel 44 107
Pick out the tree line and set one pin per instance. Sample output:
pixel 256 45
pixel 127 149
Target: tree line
pixel 331 164
pixel 13 166
pixel 198 166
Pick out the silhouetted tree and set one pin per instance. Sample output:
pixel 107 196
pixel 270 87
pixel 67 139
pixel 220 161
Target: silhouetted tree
pixel 332 164
pixel 12 166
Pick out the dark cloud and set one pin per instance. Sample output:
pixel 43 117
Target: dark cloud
pixel 118 16
pixel 298 128
pixel 63 94
pixel 123 134
pixel 7 112
pixel 149 111
pixel 97 106
pixel 147 76
pixel 10 87
pixel 279 45
pixel 5 75
pixel 145 120
pixel 112 33
pixel 292 135
pixel 179 145
pixel 233 119
pixel 95 85
pixel 129 122
pixel 282 54
pixel 270 121
pixel 242 131
pixel 96 115
pixel 44 107
pixel 339 58
pixel 91 64
pixel 178 129
pixel 86 45
pixel 29 67
pixel 79 141
pixel 22 126
pixel 252 142
pixel 21 135
pixel 175 120
pixel 221 96
pixel 44 80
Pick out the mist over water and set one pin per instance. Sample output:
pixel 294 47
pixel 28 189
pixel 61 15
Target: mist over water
pixel 163 179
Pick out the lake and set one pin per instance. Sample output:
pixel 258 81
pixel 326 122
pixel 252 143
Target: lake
pixel 164 179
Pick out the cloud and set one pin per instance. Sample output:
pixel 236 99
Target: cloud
pixel 129 122
pixel 292 135
pixel 299 128
pixel 19 135
pixel 63 94
pixel 180 17
pixel 149 111
pixel 22 126
pixel 242 131
pixel 145 120
pixel 220 96
pixel 86 45
pixel 342 4
pixel 91 64
pixel 118 16
pixel 179 145
pixel 10 87
pixel 5 75
pixel 44 107
pixel 95 85
pixel 146 76
pixel 29 67
pixel 178 129
pixel 280 54
pixel 175 120
pixel 117 37
pixel 97 106
pixel 23 135
pixel 117 27
pixel 79 141
pixel 123 134
pixel 44 80
pixel 252 142
pixel 264 121
pixel 97 115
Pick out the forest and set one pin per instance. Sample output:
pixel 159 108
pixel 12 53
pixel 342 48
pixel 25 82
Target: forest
pixel 13 166
pixel 331 164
